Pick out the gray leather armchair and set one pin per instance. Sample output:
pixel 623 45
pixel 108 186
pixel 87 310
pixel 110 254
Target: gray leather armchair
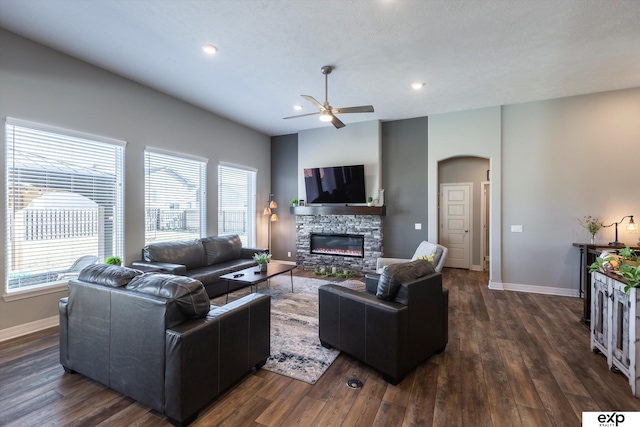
pixel 155 338
pixel 393 336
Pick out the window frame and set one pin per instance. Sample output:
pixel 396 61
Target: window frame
pixel 118 164
pixel 251 220
pixel 201 163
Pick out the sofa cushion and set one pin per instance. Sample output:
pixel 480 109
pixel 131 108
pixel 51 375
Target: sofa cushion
pixel 114 276
pixel 189 253
pixel 394 275
pixel 428 251
pixel 209 275
pixel 189 294
pixel 222 248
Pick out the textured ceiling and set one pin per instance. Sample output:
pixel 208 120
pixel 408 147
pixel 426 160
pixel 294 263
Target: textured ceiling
pixel 470 53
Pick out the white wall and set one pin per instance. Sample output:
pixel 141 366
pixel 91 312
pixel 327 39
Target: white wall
pixel 468 133
pixel 564 159
pixel 45 86
pixel 354 144
pixel 552 162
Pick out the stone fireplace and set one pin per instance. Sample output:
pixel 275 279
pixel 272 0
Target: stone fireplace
pixel 345 235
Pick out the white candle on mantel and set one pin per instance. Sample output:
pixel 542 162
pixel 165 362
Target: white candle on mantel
pixel 333 270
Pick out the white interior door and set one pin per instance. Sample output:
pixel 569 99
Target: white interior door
pixel 455 221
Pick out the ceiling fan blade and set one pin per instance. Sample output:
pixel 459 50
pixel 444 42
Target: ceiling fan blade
pixel 337 123
pixel 360 109
pixel 312 100
pixel 302 115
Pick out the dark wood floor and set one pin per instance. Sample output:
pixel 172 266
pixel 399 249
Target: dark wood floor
pixel 513 359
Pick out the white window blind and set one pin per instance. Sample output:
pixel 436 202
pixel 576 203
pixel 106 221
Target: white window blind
pixel 64 203
pixel 175 197
pixel 237 203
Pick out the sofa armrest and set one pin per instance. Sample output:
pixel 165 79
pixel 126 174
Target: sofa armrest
pixel 163 267
pixel 63 306
pixel 205 356
pixel 383 262
pixel 247 253
pixel 250 317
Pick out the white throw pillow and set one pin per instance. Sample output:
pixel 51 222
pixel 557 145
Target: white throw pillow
pixel 429 251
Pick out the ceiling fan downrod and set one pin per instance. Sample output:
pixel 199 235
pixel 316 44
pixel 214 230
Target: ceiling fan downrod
pixel 326 70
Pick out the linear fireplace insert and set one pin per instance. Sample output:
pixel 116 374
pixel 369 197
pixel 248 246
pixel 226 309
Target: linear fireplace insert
pixel 337 244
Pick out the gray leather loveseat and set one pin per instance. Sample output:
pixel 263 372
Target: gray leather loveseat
pixel 397 323
pixel 155 338
pixel 204 259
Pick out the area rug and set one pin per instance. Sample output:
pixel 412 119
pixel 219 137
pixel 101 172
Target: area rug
pixel 295 347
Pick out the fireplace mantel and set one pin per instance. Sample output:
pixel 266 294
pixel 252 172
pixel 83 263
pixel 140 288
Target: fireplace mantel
pixel 339 210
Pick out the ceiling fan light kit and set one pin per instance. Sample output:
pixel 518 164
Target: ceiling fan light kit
pixel 326 116
pixel 326 111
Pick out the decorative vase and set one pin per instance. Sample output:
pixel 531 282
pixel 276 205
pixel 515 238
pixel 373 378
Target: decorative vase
pixel 262 267
pixel 593 239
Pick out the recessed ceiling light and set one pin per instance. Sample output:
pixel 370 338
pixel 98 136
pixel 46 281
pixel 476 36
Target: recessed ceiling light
pixel 210 49
pixel 417 85
pixel 297 107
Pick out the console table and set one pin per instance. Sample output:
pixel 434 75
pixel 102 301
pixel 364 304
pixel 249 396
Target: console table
pixel 588 254
pixel 615 325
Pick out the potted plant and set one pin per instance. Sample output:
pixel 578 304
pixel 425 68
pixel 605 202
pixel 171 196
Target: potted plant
pixel 294 202
pixel 625 264
pixel 113 260
pixel 628 257
pixel 369 201
pixel 262 259
pixel 631 274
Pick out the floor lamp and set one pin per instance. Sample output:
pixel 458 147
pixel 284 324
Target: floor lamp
pixel 273 217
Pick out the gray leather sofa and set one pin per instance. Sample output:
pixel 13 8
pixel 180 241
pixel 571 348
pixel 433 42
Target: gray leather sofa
pixel 155 338
pixel 203 259
pixel 397 323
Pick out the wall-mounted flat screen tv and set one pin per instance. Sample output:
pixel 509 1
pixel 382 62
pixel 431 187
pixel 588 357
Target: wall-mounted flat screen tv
pixel 337 184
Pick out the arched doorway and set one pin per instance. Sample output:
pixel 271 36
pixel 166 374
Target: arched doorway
pixel 463 219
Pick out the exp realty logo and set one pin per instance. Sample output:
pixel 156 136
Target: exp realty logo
pixel 610 419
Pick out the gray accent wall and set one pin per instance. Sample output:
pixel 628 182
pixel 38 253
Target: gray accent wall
pixel 404 180
pixel 42 85
pixel 284 186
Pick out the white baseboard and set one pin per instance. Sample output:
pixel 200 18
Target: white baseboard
pixel 496 286
pixel 546 290
pixel 28 328
pixel 476 268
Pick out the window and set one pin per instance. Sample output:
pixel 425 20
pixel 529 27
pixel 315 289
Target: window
pixel 64 203
pixel 237 203
pixel 175 196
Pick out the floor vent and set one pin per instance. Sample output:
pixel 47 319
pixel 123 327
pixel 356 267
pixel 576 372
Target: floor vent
pixel 354 383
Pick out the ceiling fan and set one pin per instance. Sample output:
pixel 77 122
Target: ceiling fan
pixel 327 112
